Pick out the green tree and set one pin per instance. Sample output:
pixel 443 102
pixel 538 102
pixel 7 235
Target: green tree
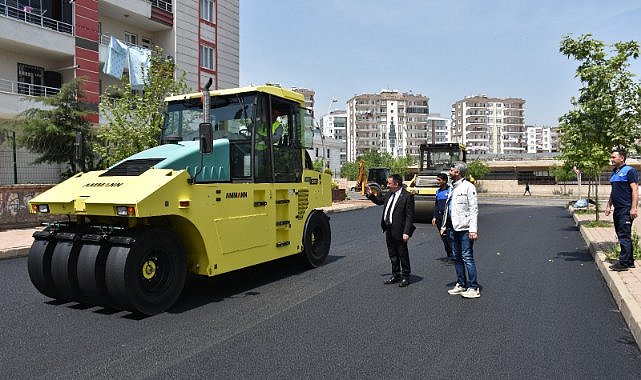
pixel 134 118
pixel 376 159
pixel 607 112
pixel 477 169
pixel 400 164
pixel 318 164
pixel 349 170
pixel 51 131
pixel 562 173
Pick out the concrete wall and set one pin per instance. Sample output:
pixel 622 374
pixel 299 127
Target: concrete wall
pixel 512 188
pixel 14 205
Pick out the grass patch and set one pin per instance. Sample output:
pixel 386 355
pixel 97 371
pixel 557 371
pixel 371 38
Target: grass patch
pixel 583 211
pixel 613 254
pixel 597 223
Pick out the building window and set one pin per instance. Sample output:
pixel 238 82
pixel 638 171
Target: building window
pixel 145 42
pixel 207 10
pixel 131 39
pixel 207 57
pixel 30 80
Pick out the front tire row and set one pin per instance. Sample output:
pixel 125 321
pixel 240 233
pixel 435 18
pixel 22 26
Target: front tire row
pixel 142 273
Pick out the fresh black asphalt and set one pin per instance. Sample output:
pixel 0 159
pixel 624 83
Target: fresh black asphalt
pixel 544 312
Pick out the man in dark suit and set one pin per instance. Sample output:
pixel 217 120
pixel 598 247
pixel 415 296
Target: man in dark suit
pixel 396 222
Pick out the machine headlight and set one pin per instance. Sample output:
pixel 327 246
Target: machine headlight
pixel 125 211
pixel 41 208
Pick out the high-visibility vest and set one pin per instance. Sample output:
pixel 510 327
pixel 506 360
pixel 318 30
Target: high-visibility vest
pixel 261 135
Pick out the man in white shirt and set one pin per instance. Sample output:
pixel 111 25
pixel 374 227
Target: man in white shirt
pixel 460 223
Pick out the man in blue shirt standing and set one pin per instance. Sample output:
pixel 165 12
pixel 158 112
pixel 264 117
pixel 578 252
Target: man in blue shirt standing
pixel 442 193
pixel 624 196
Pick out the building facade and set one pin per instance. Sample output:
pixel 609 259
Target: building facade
pixel 542 139
pixel 490 125
pixel 45 44
pixel 334 125
pixel 389 122
pixel 309 95
pixel 438 129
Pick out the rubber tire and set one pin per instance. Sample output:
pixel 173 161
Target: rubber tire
pixel 91 273
pixel 64 261
pixel 317 239
pixel 124 279
pixel 375 188
pixel 39 266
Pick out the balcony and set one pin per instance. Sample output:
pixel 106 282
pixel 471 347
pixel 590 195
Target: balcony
pixel 26 33
pixel 162 5
pixel 16 97
pixel 152 16
pixel 34 16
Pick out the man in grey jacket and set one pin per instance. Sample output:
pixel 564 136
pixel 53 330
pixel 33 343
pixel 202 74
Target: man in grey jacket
pixel 460 222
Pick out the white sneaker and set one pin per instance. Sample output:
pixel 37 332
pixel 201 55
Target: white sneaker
pixel 471 293
pixel 458 289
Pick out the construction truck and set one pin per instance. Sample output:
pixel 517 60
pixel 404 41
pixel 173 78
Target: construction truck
pixel 230 186
pixel 376 179
pixel 433 159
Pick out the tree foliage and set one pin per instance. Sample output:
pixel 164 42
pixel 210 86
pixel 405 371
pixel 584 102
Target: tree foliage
pixel 134 118
pixel 376 159
pixel 477 169
pixel 318 164
pixel 607 112
pixel 51 131
pixel 562 173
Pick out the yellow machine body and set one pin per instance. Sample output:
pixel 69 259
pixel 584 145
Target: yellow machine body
pixel 222 194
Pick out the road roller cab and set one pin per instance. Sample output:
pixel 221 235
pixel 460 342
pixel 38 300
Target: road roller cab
pixel 231 186
pixel 433 159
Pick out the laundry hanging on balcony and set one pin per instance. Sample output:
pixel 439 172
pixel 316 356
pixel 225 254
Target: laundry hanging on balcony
pixel 137 60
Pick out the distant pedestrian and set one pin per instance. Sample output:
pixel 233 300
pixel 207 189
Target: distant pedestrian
pixel 624 196
pixel 442 193
pixel 397 224
pixel 527 189
pixel 461 217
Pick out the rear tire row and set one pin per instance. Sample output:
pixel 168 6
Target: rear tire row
pixel 143 273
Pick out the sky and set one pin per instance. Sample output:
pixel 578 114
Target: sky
pixel 445 50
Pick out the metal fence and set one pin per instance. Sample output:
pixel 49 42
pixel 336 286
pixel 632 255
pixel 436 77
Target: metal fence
pixel 18 168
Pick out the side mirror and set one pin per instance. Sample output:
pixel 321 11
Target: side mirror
pixel 206 137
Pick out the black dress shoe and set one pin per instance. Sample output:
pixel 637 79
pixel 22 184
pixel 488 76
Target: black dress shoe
pixel 405 282
pixel 618 267
pixel 392 280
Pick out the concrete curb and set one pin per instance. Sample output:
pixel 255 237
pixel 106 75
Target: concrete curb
pixel 14 252
pixel 629 308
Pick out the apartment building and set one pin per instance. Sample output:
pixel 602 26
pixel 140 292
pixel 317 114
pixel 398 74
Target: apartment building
pixel 334 126
pixel 390 121
pixel 542 139
pixel 438 129
pixel 45 44
pixel 489 125
pixel 309 95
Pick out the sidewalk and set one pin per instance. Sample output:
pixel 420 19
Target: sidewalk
pixel 624 286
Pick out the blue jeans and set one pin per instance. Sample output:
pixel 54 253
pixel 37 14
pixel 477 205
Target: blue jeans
pixel 623 228
pixel 463 255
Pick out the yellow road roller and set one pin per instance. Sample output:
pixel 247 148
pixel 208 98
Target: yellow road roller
pixel 230 186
